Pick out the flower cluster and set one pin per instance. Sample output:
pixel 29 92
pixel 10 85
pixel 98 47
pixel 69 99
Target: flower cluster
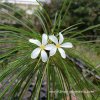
pixel 52 48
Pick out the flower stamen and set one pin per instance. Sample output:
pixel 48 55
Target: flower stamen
pixel 42 47
pixel 58 45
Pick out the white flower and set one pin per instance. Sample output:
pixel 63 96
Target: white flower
pixel 41 48
pixel 58 45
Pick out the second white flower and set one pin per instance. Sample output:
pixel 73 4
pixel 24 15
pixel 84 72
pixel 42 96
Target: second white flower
pixel 58 45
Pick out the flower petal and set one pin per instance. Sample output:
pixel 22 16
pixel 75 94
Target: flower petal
pixel 67 45
pixel 44 39
pixel 35 53
pixel 44 56
pixel 53 51
pixel 37 42
pixel 49 47
pixel 62 52
pixel 53 39
pixel 61 38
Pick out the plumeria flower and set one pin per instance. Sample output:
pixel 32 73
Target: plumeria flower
pixel 41 48
pixel 58 45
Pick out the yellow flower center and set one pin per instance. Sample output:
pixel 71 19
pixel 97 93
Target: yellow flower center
pixel 58 45
pixel 42 47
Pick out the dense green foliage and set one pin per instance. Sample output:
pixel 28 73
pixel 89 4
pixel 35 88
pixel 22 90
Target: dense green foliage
pixel 86 11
